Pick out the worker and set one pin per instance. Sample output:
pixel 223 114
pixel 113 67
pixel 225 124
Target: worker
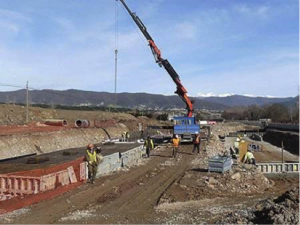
pixel 176 142
pixel 127 135
pixel 149 146
pixel 93 162
pixel 233 152
pixel 196 141
pixel 124 136
pixel 249 158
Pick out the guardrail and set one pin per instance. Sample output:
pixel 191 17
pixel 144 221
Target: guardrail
pixel 279 167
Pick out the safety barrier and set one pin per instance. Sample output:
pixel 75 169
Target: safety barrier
pixel 19 185
pixel 279 167
pixel 14 185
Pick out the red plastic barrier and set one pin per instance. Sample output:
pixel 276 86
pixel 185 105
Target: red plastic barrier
pixel 39 184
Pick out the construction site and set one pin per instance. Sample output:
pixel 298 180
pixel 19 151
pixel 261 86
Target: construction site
pixel 244 172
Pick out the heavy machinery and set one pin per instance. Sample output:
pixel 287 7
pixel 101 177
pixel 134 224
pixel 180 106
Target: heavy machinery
pixel 183 126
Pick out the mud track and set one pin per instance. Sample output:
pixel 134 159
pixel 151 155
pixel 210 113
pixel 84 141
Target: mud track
pixel 125 197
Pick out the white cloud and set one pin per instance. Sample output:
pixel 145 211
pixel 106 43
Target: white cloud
pixel 252 11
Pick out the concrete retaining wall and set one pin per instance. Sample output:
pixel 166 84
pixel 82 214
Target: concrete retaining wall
pixel 18 145
pixel 118 160
pixel 290 140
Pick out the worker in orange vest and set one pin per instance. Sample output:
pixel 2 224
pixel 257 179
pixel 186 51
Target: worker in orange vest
pixel 176 142
pixel 197 140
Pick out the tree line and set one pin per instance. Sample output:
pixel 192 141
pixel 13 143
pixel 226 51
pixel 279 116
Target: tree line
pixel 276 112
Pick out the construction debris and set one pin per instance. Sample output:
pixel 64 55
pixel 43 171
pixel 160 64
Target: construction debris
pixel 282 210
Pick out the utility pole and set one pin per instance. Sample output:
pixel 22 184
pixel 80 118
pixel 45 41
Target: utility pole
pixel 27 103
pixel 282 152
pixel 116 72
pixel 116 49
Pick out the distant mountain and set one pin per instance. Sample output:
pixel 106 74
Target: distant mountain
pixel 291 103
pixel 77 97
pixel 240 100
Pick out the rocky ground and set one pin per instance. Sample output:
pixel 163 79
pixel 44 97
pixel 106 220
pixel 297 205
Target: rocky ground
pixel 281 210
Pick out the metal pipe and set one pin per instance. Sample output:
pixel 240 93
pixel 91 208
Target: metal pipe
pixel 56 122
pixel 82 123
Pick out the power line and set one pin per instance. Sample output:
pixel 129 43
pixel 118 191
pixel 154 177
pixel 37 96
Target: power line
pixel 27 88
pixel 36 89
pixel 10 85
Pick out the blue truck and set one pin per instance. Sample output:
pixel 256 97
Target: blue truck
pixel 185 128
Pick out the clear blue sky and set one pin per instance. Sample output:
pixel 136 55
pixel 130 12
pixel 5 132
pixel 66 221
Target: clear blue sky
pixel 216 46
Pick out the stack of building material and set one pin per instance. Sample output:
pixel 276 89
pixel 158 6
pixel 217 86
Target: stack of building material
pixel 219 164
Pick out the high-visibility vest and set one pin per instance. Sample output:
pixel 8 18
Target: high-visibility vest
pixel 92 156
pixel 197 140
pixel 248 156
pixel 176 142
pixel 149 144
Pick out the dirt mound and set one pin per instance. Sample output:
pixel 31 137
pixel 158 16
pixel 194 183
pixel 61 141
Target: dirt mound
pixel 240 180
pixel 282 210
pixel 198 184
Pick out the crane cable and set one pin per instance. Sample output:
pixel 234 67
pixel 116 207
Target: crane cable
pixel 116 48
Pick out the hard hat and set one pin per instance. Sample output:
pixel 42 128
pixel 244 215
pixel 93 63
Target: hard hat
pixel 176 136
pixel 90 145
pixel 196 132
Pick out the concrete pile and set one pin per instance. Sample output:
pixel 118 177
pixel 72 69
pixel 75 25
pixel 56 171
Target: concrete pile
pixel 282 210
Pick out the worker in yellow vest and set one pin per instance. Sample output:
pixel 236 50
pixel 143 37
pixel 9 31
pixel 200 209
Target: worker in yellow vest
pixel 176 143
pixel 149 146
pixel 93 162
pixel 249 158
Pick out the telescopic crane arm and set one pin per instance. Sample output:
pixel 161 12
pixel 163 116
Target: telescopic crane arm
pixel 181 91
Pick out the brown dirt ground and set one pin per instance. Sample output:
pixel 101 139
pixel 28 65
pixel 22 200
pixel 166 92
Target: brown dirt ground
pixel 132 197
pixel 12 119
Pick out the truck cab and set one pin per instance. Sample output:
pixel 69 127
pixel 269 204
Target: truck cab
pixel 185 128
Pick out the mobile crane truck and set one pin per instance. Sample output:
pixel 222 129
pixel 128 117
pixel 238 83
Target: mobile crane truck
pixel 185 127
